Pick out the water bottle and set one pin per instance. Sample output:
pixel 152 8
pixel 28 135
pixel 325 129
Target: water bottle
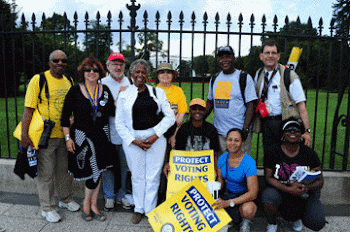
pixel 31 155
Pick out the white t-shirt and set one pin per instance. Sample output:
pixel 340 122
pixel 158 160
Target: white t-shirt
pixel 114 86
pixel 229 108
pixel 274 92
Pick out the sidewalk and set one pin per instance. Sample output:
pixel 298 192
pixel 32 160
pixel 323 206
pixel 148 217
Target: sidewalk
pixel 21 212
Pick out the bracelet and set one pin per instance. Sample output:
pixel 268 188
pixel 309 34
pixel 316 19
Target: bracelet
pixel 67 137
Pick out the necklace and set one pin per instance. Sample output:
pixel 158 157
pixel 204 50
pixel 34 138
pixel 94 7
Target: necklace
pixel 93 98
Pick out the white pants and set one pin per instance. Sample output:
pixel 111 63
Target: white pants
pixel 145 167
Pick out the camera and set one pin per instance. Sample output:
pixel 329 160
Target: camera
pixel 44 140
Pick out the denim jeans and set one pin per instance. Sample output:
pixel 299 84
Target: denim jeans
pixel 108 177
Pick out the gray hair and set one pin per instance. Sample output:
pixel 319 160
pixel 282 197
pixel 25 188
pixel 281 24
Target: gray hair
pixel 139 62
pixel 52 55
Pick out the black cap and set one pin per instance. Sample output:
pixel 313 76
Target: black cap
pixel 225 50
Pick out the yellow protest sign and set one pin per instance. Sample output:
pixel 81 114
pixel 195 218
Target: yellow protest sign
pixel 294 58
pixel 188 210
pixel 185 166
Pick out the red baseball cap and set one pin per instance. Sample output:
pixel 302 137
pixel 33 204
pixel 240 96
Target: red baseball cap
pixel 116 56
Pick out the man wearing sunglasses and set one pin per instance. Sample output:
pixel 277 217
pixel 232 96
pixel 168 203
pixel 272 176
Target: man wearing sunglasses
pixel 53 160
pixel 226 95
pixel 116 82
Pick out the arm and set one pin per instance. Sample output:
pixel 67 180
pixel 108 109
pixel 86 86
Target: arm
pixel 27 118
pixel 70 143
pixel 209 107
pixel 248 115
pixel 293 187
pixel 305 118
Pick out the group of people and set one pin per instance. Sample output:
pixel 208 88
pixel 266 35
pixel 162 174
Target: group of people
pixel 103 129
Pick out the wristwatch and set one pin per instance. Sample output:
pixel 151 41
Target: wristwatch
pixel 308 130
pixel 232 204
pixel 67 137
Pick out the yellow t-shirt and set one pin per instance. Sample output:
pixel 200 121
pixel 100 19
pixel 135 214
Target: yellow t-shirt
pixel 58 88
pixel 177 98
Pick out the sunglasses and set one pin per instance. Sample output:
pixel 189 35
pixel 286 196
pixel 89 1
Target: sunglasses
pixel 290 129
pixel 64 61
pixel 95 70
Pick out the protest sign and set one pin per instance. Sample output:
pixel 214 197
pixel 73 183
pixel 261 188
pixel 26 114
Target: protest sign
pixel 294 58
pixel 185 166
pixel 188 210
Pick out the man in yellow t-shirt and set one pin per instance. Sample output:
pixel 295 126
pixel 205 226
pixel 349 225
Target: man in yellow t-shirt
pixel 53 160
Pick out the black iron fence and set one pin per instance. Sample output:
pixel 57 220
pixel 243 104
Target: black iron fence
pixel 189 42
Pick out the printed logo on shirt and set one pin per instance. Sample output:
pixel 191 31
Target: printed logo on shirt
pixel 223 94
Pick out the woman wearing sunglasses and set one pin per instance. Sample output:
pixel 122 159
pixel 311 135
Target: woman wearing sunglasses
pixel 87 139
pixel 296 202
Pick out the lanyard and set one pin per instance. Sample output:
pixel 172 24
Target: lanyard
pixel 93 101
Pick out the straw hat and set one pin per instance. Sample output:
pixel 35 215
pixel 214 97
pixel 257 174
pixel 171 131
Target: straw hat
pixel 165 66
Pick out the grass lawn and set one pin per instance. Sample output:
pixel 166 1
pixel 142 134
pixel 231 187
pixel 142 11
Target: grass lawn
pixel 8 124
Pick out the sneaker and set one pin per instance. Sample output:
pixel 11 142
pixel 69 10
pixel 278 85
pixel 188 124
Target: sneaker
pixel 297 225
pixel 125 203
pixel 136 218
pixel 109 205
pixel 271 228
pixel 71 206
pixel 51 216
pixel 245 226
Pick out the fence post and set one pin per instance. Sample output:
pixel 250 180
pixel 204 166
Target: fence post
pixel 133 8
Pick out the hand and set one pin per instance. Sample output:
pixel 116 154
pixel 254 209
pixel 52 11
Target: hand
pixel 122 88
pixel 307 138
pixel 166 169
pixel 26 141
pixel 70 146
pixel 152 139
pixel 144 145
pixel 172 141
pixel 297 188
pixel 221 204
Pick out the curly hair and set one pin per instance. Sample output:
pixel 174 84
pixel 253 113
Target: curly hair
pixel 90 62
pixel 139 62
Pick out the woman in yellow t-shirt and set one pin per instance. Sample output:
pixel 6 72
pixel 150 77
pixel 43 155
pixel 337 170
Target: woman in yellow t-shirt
pixel 164 75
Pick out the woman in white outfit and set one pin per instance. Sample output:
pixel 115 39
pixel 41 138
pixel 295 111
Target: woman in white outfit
pixel 139 125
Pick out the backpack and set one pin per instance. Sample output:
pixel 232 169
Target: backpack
pixel 242 83
pixel 42 81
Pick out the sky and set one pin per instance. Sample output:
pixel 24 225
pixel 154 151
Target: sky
pixel 315 9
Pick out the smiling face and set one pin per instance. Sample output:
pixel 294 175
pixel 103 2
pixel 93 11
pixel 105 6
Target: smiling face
pixel 234 142
pixel 197 113
pixel 58 63
pixel 116 68
pixel 139 76
pixel 91 74
pixel 226 63
pixel 165 76
pixel 270 57
pixel 292 135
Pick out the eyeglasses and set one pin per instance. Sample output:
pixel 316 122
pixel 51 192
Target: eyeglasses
pixel 197 107
pixel 118 65
pixel 290 129
pixel 95 70
pixel 64 61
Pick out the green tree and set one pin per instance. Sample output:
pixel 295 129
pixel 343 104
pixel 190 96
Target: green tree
pixel 9 43
pixel 97 41
pixel 184 69
pixel 341 15
pixel 148 43
pixel 204 65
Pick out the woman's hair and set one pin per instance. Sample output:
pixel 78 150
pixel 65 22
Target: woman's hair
pixel 139 62
pixel 90 62
pixel 241 132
